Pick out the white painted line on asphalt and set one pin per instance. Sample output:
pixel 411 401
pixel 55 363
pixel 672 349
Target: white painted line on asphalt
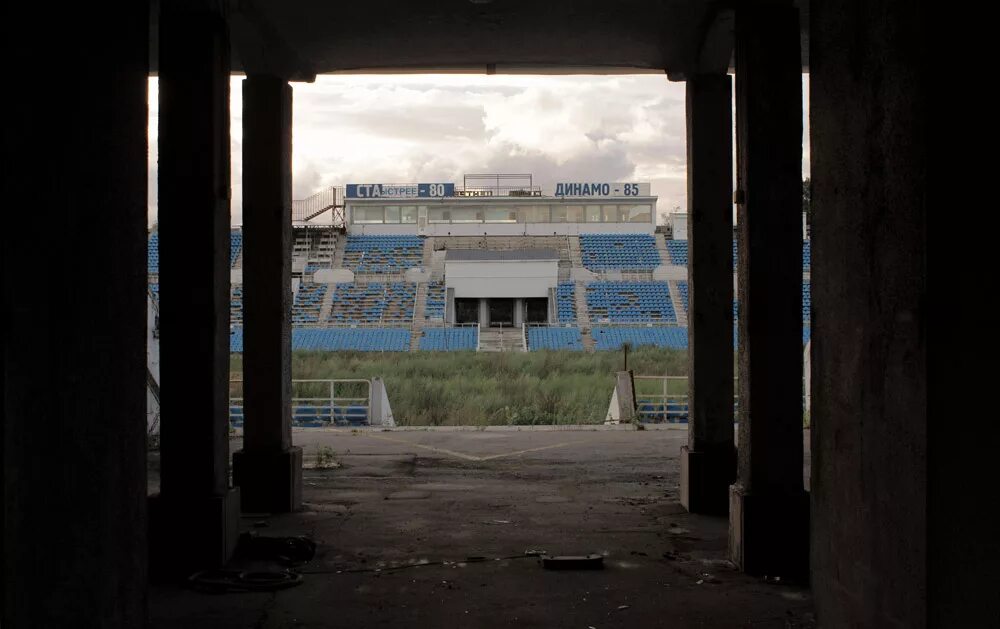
pixel 472 457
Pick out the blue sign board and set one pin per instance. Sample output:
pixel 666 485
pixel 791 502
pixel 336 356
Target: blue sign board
pixel 398 191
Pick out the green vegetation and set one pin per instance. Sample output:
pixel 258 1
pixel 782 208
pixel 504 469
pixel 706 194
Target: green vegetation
pixel 469 388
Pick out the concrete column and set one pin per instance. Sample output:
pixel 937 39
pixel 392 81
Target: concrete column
pixel 874 463
pixel 708 461
pixel 72 343
pixel 194 519
pixel 268 470
pixel 484 313
pixel 769 510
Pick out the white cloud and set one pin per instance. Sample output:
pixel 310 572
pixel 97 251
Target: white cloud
pixel 406 128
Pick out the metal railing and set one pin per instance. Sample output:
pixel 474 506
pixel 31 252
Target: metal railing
pixel 318 402
pixel 664 405
pixel 604 323
pixel 498 191
pixel 312 206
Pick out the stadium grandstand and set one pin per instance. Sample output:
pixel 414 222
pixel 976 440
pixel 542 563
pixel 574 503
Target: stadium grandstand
pixel 495 264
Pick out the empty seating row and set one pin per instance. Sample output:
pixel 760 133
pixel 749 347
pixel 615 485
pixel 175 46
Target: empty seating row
pixel 383 254
pixel 235 245
pixel 153 254
pixel 308 302
pixel 656 412
pixel 630 302
pixel 338 339
pixel 377 302
pixel 566 302
pixel 449 339
pixel 629 252
pixel 554 338
pixel 314 415
pixel 678 250
pixel 435 303
pixel 612 338
pixel 353 339
pixel 236 305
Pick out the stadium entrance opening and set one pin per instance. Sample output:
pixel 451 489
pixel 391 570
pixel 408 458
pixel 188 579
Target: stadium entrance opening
pixel 501 312
pixel 466 311
pixel 536 310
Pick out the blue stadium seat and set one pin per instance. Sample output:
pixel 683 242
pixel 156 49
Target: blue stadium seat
pixel 307 304
pixel 236 340
pixel 236 305
pixel 435 304
pixel 566 302
pixel 630 302
pixel 383 254
pixel 338 339
pixel 449 339
pixel 673 412
pixel 153 254
pixel 628 252
pixel 377 302
pixel 678 250
pixel 613 337
pixel 352 339
pixel 540 338
pixel 235 245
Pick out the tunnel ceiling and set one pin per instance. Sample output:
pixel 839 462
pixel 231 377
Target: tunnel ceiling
pixel 301 38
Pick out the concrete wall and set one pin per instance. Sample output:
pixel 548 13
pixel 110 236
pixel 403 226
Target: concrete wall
pixel 869 352
pixel 72 367
pixel 502 279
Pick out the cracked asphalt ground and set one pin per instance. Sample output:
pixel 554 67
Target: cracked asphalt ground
pixel 429 528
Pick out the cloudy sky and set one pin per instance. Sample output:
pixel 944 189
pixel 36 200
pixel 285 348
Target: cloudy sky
pixel 427 128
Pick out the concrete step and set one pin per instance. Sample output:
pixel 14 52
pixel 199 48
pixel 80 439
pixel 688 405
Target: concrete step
pixel 661 246
pixel 675 299
pixel 419 304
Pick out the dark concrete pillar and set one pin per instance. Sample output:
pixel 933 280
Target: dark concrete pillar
pixel 268 470
pixel 73 312
pixel 195 517
pixel 708 461
pixel 870 463
pixel 769 510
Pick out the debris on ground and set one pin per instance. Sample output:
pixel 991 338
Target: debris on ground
pixel 573 562
pixel 287 550
pixel 222 581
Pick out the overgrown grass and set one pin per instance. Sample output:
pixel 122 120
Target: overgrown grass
pixel 469 388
